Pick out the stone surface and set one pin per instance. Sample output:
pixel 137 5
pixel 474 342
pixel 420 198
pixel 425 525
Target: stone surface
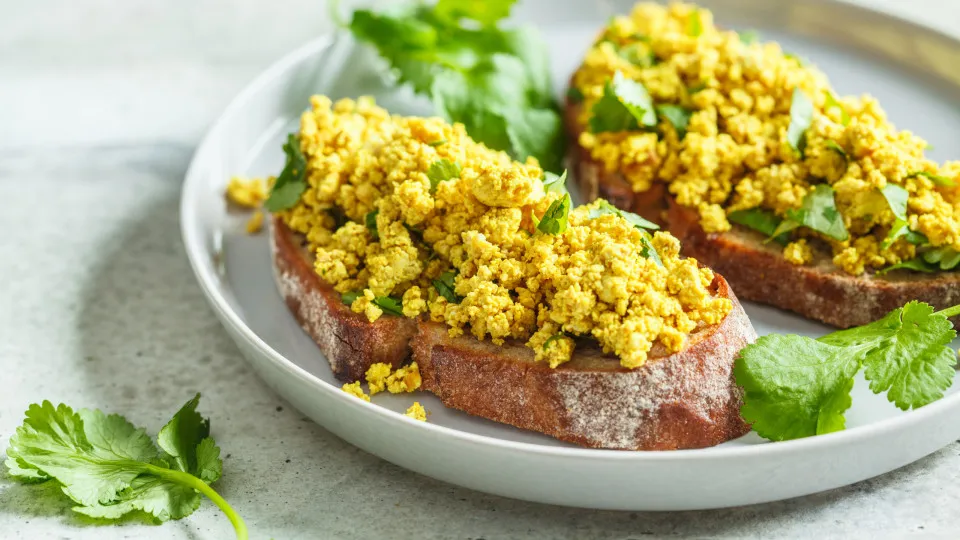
pixel 101 104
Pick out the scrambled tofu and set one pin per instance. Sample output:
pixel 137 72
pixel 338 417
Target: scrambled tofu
pixel 249 193
pixel 417 412
pixel 736 154
pixel 462 247
pixel 382 377
pixel 354 390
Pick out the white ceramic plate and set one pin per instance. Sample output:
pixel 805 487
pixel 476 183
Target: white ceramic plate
pixel 870 54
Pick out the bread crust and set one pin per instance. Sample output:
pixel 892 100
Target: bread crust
pixel 758 272
pixel 350 342
pixel 683 400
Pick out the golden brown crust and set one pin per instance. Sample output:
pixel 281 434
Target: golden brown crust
pixel 350 342
pixel 682 400
pixel 758 272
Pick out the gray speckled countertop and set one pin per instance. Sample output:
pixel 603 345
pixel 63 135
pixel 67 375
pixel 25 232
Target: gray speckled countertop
pixel 101 105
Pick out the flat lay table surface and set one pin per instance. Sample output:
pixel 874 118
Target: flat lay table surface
pixel 102 104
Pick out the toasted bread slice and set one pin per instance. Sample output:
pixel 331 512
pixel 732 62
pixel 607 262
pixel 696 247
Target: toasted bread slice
pixel 758 271
pixel 683 400
pixel 350 342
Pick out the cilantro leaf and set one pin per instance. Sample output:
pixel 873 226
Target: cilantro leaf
pixel 896 197
pixel 818 212
pixel 441 171
pixel 694 24
pixel 801 116
pixel 797 386
pixel 832 102
pixel 575 95
pixel 794 386
pixel 944 257
pixel 370 220
pixel 625 106
pixel 292 182
pixel 553 338
pixel 438 142
pixel 555 184
pixel 110 468
pixel 901 229
pixel 604 208
pixel 554 220
pixel 539 133
pixel 937 179
pixel 487 13
pixel 917 264
pixel 679 118
pixel 389 304
pixel 444 284
pixel 760 220
pixel 350 297
pixel 638 54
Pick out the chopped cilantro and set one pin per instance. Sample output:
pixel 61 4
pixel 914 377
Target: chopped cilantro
pixel 437 142
pixel 575 95
pixel 292 182
pixel 831 101
pixel 444 284
pixel 937 179
pixel 801 116
pixel 818 212
pixel 389 304
pixel 553 338
pixel 441 171
pixel 555 184
pixel 679 118
pixel 625 106
pixel 350 296
pixel 694 24
pixel 760 220
pixel 833 145
pixel 945 257
pixel 749 37
pixel 554 220
pixel 371 222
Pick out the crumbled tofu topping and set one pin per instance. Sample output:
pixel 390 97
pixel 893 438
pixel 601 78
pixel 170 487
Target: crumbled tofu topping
pixel 354 390
pixel 463 248
pixel 417 412
pixel 736 154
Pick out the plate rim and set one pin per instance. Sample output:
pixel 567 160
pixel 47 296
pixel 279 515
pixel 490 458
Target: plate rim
pixel 206 276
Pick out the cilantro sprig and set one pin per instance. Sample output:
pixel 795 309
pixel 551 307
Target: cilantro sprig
pixel 554 220
pixel 801 116
pixel 110 468
pixel 797 386
pixel 494 81
pixel 292 181
pixel 625 106
pixel 648 250
pixel 818 212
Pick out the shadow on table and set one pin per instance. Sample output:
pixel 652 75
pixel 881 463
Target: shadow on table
pixel 151 341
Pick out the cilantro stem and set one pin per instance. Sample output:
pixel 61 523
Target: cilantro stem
pixel 192 481
pixel 949 312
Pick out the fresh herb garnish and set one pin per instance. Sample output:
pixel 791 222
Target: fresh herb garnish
pixel 801 116
pixel 944 257
pixel 370 220
pixel 575 95
pixel 554 220
pixel 110 468
pixel 833 145
pixel 796 386
pixel 625 106
pixel 917 264
pixel 389 304
pixel 604 208
pixel 694 24
pixel 441 171
pixel 555 184
pixel 444 284
pixel 818 212
pixel 638 54
pixel 350 296
pixel 901 229
pixel 831 101
pixel 495 81
pixel 553 338
pixel 437 142
pixel 749 37
pixel 292 181
pixel 896 197
pixel 699 87
pixel 760 220
pixel 796 58
pixel 937 179
pixel 679 118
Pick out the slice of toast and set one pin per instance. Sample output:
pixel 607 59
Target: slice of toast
pixel 350 342
pixel 758 271
pixel 684 400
